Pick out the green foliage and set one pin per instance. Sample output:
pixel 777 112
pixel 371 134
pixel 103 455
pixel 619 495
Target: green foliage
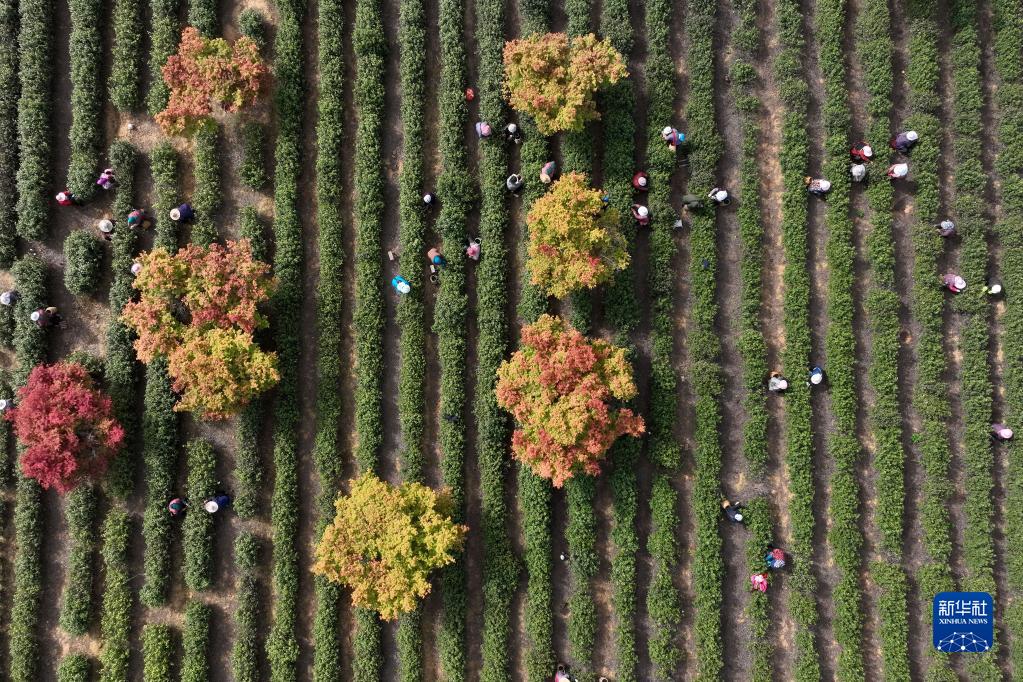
pixel 127 53
pixel 206 199
pixel 35 53
pixel 8 131
pixel 86 132
pixel 164 166
pixel 202 14
pixel 76 601
pixel 197 526
pixel 252 25
pixel 253 168
pixel 115 619
pixel 290 95
pixel 246 652
pixel 83 261
pixel 195 662
pixel 73 668
pixel 157 653
pixel 164 35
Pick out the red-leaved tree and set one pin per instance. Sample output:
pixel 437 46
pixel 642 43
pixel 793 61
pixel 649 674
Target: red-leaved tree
pixel 198 308
pixel 560 387
pixel 66 425
pixel 206 71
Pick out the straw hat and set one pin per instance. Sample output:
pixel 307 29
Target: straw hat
pixel 643 211
pixel 912 136
pixel 175 214
pixel 35 316
pixel 211 506
pixel 105 226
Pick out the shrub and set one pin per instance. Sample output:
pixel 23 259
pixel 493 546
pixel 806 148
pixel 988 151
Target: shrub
pixel 157 653
pixel 253 168
pixel 8 131
pixel 195 663
pixel 35 48
pixel 126 55
pixel 83 262
pixel 205 72
pixel 202 14
pixel 245 653
pixel 559 387
pixel 76 601
pixel 385 540
pixel 86 96
pixel 115 622
pixel 197 526
pixel 73 668
pixel 554 80
pixel 165 32
pixel 198 309
pixel 66 426
pixel 206 198
pixel 252 25
pixel 574 242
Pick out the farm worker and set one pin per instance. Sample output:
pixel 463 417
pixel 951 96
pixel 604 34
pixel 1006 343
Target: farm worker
pixel 732 511
pixel 992 288
pixel 137 218
pixel 775 558
pixel 4 404
pixel 692 202
pixel 176 506
pixel 946 228
pixel 858 171
pixel 514 183
pixel 719 197
pixel 605 201
pixel 816 376
pixel 217 502
pixel 106 228
pixel 107 180
pixel 561 675
pixel 953 282
pixel 65 198
pixel 429 198
pixel 862 152
pixel 817 186
pixel 758 581
pixel 903 142
pixel 898 170
pixel 470 94
pixel 182 213
pixel 512 133
pixel 641 181
pixel 401 284
pixel 1001 432
pixel 672 137
pixel 776 383
pixel 547 172
pixel 433 255
pixel 641 214
pixel 9 297
pixel 136 268
pixel 44 317
pixel 483 130
pixel 472 248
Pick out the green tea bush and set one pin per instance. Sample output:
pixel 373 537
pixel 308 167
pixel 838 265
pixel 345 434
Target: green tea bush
pixel 195 662
pixel 197 526
pixel 164 36
pixel 76 601
pixel 157 653
pixel 35 53
pixel 246 651
pixel 86 132
pixel 115 616
pixel 73 668
pixel 9 91
pixel 83 262
pixel 127 53
pixel 207 197
pixel 252 24
pixel 253 168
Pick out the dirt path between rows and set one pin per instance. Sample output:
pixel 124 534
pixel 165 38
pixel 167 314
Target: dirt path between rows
pixel 735 475
pixel 859 210
pixel 772 323
pixel 996 356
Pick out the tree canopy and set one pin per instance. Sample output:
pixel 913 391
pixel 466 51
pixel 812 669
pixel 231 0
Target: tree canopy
pixel 574 241
pixel 385 540
pixel 555 80
pixel 66 425
pixel 561 388
pixel 206 71
pixel 198 308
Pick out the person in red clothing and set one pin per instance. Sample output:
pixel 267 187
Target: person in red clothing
pixel 862 152
pixel 65 198
pixel 641 214
pixel 641 181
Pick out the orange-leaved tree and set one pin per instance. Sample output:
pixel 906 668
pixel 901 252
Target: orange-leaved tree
pixel 385 540
pixel 561 388
pixel 67 426
pixel 198 309
pixel 574 242
pixel 555 81
pixel 206 71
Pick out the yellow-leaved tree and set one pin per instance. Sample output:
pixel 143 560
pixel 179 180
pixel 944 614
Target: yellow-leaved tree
pixel 385 540
pixel 555 80
pixel 574 241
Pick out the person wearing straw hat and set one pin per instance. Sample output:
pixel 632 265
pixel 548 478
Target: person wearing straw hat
pixel 1001 432
pixel 862 152
pixel 897 171
pixel 136 268
pixel 182 213
pixel 216 503
pixel 9 297
pixel 641 181
pixel 672 137
pixel 732 511
pixel 641 214
pixel 107 180
pixel 817 186
pixel 953 282
pixel 429 198
pixel 512 134
pixel 858 172
pixel 993 288
pixel 816 377
pixel 483 130
pixel 946 228
pixel 514 183
pixel 46 317
pixel 547 172
pixel 776 383
pixel 719 196
pixel 65 198
pixel 903 142
pixel 5 403
pixel 106 228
